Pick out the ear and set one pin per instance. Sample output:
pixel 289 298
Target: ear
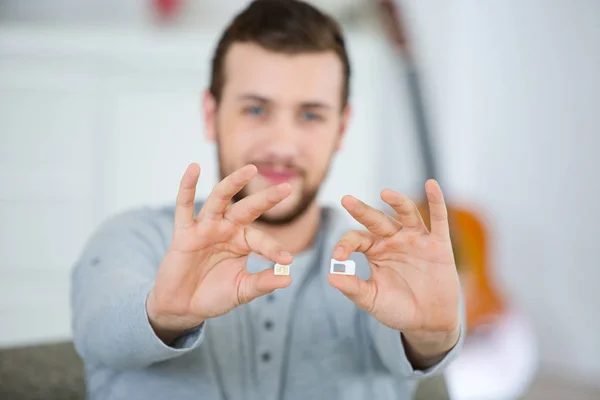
pixel 209 105
pixel 346 113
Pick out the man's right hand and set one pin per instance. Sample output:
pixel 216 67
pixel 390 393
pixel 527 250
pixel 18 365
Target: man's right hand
pixel 203 274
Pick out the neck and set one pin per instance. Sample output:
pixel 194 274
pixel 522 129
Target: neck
pixel 297 235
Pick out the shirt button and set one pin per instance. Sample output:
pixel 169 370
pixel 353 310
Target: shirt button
pixel 270 297
pixel 268 325
pixel 266 356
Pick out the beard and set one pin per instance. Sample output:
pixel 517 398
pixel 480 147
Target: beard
pixel 307 197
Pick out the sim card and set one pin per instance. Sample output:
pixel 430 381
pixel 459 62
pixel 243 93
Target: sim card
pixel 281 269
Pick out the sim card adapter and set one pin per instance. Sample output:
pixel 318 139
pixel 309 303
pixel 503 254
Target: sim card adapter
pixel 347 267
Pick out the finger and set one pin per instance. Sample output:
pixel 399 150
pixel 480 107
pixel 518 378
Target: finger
pixel 351 241
pixel 219 199
pixel 256 285
pixel 266 246
pixel 374 220
pixel 438 213
pixel 407 210
pixel 184 205
pixel 251 207
pixel 362 293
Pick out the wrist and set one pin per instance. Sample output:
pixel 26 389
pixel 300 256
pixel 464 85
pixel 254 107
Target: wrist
pixel 426 348
pixel 166 327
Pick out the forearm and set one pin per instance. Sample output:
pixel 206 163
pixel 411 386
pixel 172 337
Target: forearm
pixel 114 331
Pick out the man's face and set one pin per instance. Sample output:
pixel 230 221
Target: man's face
pixel 282 113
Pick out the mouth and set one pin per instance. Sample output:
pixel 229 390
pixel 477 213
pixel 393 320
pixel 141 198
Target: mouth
pixel 276 175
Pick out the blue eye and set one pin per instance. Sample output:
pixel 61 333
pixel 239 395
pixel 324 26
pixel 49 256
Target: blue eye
pixel 310 116
pixel 255 111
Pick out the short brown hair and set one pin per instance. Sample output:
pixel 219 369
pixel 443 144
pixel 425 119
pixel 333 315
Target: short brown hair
pixel 283 26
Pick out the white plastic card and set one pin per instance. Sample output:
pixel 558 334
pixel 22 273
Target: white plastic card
pixel 281 269
pixel 347 267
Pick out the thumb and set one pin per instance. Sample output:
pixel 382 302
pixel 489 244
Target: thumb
pixel 252 286
pixel 362 293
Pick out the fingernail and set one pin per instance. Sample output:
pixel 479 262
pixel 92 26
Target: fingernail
pixel 338 251
pixel 284 253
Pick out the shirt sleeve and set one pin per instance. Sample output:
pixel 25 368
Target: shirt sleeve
pixel 390 348
pixel 109 286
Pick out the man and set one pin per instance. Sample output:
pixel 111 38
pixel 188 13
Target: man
pixel 183 302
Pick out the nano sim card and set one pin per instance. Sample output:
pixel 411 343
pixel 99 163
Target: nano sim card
pixel 280 269
pixel 347 267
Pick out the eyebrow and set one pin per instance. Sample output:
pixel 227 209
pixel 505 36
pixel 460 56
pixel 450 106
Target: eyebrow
pixel 253 97
pixel 261 99
pixel 316 104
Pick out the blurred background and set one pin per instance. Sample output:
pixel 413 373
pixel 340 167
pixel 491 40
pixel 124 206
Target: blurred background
pixel 100 112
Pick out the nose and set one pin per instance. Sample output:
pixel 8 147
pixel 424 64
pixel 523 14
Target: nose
pixel 283 138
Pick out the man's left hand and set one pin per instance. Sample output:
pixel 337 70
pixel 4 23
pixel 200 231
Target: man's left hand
pixel 414 286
